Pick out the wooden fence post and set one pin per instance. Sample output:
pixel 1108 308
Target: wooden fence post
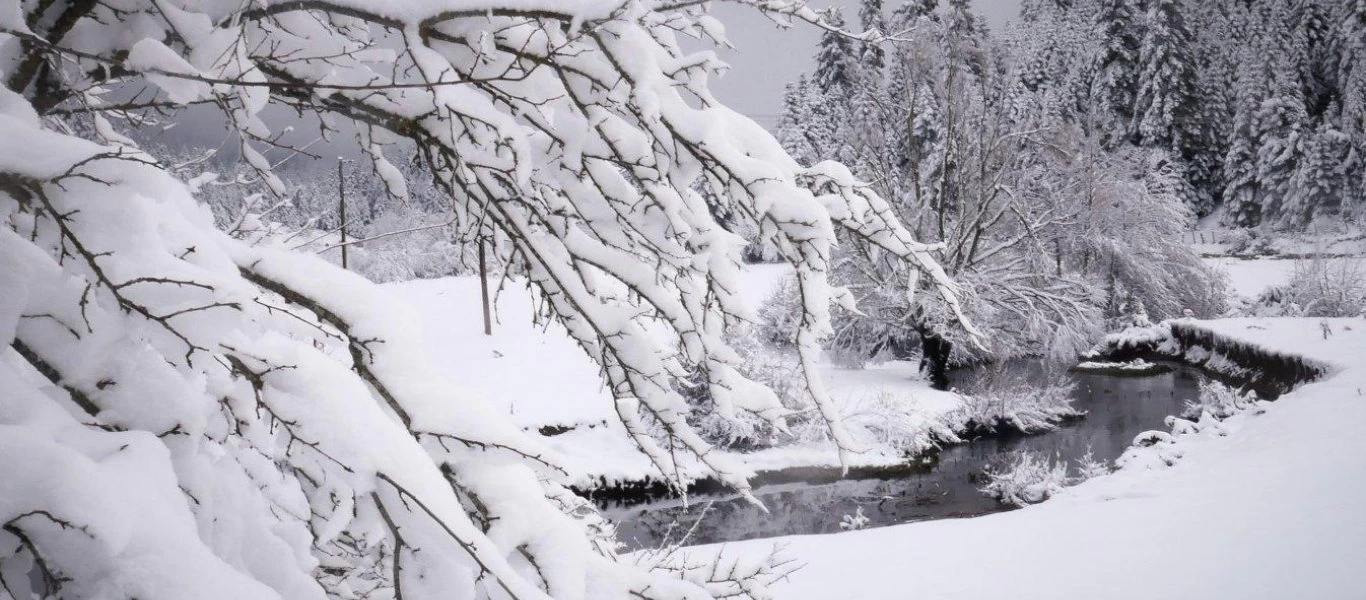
pixel 341 195
pixel 484 289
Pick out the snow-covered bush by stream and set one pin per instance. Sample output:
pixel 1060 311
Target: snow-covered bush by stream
pixel 1026 478
pixel 1219 401
pixel 998 398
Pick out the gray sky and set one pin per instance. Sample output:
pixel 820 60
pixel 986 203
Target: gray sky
pixel 765 58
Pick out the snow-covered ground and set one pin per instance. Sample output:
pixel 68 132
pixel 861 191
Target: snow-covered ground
pixel 531 370
pixel 1269 505
pixel 1251 277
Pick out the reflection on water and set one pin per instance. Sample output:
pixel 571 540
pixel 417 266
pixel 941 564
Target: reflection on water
pixel 1118 408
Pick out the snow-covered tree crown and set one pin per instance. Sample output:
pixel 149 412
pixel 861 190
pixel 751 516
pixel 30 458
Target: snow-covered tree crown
pixel 579 136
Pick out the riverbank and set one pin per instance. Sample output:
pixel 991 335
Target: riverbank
pixel 535 373
pixel 1268 503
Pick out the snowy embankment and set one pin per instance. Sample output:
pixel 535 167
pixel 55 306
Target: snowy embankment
pixel 1269 503
pixel 531 370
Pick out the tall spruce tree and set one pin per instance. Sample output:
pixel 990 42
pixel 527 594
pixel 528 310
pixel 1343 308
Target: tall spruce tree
pixel 872 56
pixel 836 61
pixel 1116 70
pixel 1164 101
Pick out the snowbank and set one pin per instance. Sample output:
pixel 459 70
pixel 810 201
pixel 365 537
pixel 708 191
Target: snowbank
pixel 1265 505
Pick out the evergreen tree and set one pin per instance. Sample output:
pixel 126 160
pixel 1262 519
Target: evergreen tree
pixel 1312 45
pixel 872 56
pixel 805 128
pixel 1242 192
pixel 911 11
pixel 1115 87
pixel 1351 77
pixel 1166 78
pixel 836 61
pixel 1280 124
pixel 1317 186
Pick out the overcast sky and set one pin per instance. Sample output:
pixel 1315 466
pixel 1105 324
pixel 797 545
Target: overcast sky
pixel 765 58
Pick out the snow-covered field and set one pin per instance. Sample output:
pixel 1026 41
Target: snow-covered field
pixel 531 370
pixel 1248 278
pixel 1269 505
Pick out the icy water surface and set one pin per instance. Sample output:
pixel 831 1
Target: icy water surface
pixel 1118 408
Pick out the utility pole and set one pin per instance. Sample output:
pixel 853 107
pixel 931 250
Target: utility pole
pixel 341 195
pixel 484 288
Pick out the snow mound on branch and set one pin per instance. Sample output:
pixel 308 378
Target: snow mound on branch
pixel 165 68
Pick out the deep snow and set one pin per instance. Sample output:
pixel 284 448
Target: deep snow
pixel 1269 505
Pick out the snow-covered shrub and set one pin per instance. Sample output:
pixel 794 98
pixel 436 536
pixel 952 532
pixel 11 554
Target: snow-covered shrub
pixel 1025 478
pixel 1029 477
pixel 1236 241
pixel 1328 287
pixel 1131 313
pixel 1089 468
pixel 1000 399
pixel 890 421
pixel 1250 242
pixel 855 521
pixel 1219 401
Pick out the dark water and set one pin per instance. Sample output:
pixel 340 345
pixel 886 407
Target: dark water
pixel 1118 408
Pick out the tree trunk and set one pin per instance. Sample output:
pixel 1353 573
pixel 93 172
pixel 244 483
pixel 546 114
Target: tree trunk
pixel 934 359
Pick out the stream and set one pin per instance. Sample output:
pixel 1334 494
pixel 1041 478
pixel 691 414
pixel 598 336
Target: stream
pixel 944 485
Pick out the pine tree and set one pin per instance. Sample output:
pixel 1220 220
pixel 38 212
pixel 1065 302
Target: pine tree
pixel 1351 76
pixel 1316 188
pixel 1116 67
pixel 872 56
pixel 805 128
pixel 906 15
pixel 836 63
pixel 1208 135
pixel 792 122
pixel 1280 121
pixel 1166 78
pixel 1313 44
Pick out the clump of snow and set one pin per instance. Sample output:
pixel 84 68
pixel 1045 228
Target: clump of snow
pixel 168 70
pixel 1136 366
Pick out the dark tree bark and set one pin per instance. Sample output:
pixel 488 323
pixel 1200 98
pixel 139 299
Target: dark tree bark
pixel 934 359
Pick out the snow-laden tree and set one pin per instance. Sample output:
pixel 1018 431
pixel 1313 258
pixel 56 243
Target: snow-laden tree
pixel 1115 84
pixel 960 171
pixel 837 60
pixel 872 56
pixel 189 414
pixel 1242 195
pixel 1164 112
pixel 1047 230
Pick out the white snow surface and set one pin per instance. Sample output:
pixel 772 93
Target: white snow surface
pixel 1265 505
pixel 1251 277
